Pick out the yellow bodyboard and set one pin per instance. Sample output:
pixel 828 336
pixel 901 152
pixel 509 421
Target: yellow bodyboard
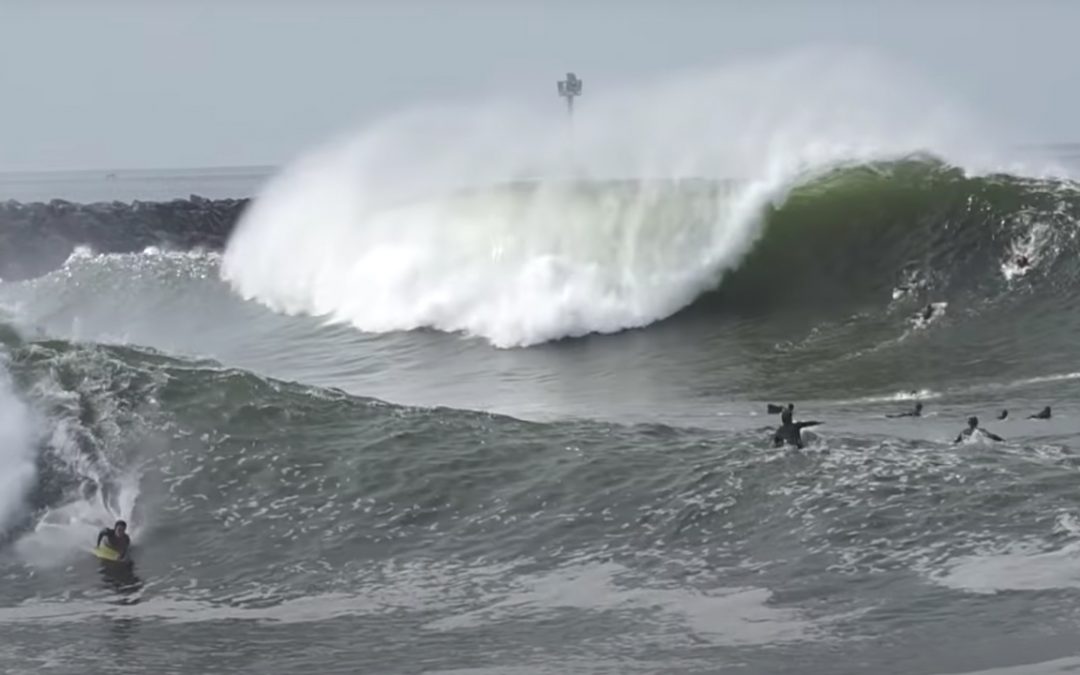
pixel 106 553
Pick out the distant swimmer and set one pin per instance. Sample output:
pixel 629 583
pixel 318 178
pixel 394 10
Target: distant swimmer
pixel 1003 414
pixel 974 430
pixel 916 412
pixel 790 432
pixel 117 539
pixel 929 313
pixel 1023 262
pixel 1043 414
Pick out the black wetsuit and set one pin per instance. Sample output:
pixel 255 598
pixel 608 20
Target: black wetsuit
pixel 117 542
pixel 972 431
pixel 1043 414
pixel 916 412
pixel 790 432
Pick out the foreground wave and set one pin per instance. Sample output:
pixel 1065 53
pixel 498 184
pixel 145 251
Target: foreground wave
pixel 258 501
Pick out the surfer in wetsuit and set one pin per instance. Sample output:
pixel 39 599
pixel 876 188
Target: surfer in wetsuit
pixel 1003 414
pixel 116 538
pixel 1043 414
pixel 789 431
pixel 974 430
pixel 916 412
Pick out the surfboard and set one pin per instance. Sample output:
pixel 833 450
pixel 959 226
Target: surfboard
pixel 105 553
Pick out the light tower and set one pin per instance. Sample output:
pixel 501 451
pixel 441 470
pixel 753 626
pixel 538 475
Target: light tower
pixel 568 89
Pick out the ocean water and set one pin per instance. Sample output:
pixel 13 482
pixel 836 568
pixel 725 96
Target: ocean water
pixel 406 423
pixel 149 185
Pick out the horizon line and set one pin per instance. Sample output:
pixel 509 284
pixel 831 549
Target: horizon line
pixel 115 170
pixel 271 167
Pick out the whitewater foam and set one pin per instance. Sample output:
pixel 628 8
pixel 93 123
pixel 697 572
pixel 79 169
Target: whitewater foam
pixel 737 616
pixel 1021 567
pixel 17 453
pixel 69 530
pixel 85 456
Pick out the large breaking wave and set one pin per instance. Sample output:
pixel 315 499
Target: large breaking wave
pixel 17 454
pixel 872 238
pixel 502 223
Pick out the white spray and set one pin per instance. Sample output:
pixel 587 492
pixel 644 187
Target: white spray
pixel 487 221
pixel 18 469
pixel 64 530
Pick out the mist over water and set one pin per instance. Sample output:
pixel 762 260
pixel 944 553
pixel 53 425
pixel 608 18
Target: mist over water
pixel 17 454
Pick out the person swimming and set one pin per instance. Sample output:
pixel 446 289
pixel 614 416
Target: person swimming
pixel 916 412
pixel 790 432
pixel 1003 414
pixel 116 538
pixel 974 430
pixel 1043 414
pixel 928 314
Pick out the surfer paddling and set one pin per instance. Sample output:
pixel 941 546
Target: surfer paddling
pixel 1043 414
pixel 116 538
pixel 915 412
pixel 973 431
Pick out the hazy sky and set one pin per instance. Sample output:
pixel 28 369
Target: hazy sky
pixel 181 84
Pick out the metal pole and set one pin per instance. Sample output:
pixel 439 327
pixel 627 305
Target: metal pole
pixel 569 89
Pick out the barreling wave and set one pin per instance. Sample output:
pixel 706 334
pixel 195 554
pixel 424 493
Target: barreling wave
pixel 916 228
pixel 531 262
pixel 494 222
